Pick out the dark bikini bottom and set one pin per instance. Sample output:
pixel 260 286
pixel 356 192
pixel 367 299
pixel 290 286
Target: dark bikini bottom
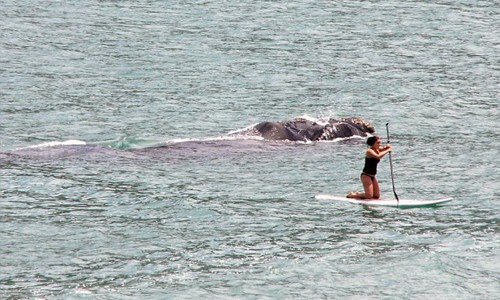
pixel 369 175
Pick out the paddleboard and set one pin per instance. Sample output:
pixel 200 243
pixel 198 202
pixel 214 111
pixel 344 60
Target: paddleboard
pixel 403 203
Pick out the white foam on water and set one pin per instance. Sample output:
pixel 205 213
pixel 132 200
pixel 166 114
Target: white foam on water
pixel 55 144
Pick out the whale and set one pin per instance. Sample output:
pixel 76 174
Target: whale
pixel 303 129
pixel 251 138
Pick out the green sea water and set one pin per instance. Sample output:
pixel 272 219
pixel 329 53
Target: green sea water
pixel 119 180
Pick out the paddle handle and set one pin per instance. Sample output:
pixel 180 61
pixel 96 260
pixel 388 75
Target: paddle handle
pixel 390 163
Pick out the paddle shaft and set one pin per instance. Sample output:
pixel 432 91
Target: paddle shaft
pixel 390 163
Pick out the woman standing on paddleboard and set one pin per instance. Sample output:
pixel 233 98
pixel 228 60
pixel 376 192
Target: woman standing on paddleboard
pixel 368 179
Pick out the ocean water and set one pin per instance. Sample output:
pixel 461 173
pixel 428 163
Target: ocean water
pixel 119 180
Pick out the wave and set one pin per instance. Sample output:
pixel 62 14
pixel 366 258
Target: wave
pixel 55 144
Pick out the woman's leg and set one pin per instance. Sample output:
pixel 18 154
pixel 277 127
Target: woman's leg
pixel 367 186
pixel 368 189
pixel 376 188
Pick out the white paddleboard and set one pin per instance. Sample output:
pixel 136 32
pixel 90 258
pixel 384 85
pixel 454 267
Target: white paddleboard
pixel 403 203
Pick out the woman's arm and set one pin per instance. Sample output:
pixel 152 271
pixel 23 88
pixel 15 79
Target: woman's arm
pixel 383 151
pixel 382 148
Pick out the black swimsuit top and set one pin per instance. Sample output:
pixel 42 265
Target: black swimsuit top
pixel 371 165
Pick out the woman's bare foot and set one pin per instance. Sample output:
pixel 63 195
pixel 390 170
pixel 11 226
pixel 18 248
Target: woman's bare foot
pixel 352 194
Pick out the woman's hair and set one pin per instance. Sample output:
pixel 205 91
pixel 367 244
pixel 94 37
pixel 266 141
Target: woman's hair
pixel 371 140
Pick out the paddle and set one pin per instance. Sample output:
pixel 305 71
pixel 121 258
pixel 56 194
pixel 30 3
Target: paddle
pixel 390 163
